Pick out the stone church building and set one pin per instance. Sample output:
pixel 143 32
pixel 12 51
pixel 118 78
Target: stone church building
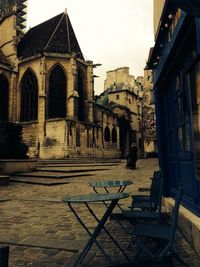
pixel 47 86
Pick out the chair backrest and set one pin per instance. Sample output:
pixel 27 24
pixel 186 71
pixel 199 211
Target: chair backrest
pixel 175 212
pixel 156 191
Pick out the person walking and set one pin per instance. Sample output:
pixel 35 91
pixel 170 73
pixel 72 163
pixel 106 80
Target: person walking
pixel 132 157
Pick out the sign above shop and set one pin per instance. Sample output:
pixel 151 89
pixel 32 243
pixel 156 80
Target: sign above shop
pixel 192 7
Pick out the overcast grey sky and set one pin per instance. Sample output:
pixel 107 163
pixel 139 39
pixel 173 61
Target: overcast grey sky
pixel 115 33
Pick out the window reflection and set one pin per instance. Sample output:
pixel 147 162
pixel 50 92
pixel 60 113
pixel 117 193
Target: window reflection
pixel 195 98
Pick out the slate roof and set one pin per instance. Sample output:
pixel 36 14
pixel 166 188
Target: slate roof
pixel 53 35
pixel 3 58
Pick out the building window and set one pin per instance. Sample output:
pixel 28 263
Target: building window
pixel 78 141
pixel 152 101
pixel 57 93
pixel 129 101
pixel 107 134
pixel 88 138
pixel 79 86
pixel 29 97
pixel 97 133
pixel 117 97
pixel 114 135
pixel 140 143
pixel 4 103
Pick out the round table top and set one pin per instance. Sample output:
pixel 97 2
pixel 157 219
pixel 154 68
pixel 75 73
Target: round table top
pixel 110 183
pixel 95 197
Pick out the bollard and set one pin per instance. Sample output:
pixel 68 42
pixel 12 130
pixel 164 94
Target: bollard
pixel 4 255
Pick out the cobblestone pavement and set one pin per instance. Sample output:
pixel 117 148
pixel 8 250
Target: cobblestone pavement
pixel 41 230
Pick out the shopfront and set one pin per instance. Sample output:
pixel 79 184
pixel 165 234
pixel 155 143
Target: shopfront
pixel 176 63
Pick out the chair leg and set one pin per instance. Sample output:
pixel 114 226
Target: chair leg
pixel 177 257
pixel 144 248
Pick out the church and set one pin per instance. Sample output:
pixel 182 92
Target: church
pixel 47 86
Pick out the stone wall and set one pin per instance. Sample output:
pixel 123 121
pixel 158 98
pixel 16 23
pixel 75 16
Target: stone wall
pixel 120 75
pixel 67 139
pixel 188 223
pixel 8 42
pixel 30 137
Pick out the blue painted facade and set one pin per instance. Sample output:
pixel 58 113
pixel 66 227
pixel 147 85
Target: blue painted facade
pixel 175 61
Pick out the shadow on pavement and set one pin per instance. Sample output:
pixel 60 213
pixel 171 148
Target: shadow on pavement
pixel 167 262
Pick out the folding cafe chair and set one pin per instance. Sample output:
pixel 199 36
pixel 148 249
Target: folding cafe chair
pixel 144 233
pixel 148 209
pixel 147 202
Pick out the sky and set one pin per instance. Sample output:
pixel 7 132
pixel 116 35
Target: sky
pixel 114 33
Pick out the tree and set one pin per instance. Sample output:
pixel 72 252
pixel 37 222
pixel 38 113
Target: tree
pixel 11 144
pixel 148 123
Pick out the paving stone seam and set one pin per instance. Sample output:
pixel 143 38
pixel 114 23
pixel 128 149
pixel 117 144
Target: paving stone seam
pixel 52 201
pixel 34 246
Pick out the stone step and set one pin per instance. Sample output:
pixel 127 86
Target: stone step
pixel 54 175
pixel 80 160
pixel 69 170
pixel 77 165
pixel 39 180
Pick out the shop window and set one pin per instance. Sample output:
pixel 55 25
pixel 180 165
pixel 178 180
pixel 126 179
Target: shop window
pixel 195 99
pixel 29 96
pixel 114 135
pixel 57 93
pixel 4 103
pixel 107 134
pixel 173 24
pixel 182 112
pixel 176 110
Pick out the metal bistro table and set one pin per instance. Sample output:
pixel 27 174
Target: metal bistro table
pixel 121 185
pixel 106 185
pixel 86 199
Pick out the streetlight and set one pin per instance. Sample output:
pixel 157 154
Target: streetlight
pixel 96 65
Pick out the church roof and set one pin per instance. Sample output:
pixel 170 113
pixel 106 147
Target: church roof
pixel 3 58
pixel 53 35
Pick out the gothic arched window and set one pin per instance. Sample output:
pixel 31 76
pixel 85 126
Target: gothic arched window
pixel 29 96
pixel 4 103
pixel 107 134
pixel 114 135
pixel 57 93
pixel 81 101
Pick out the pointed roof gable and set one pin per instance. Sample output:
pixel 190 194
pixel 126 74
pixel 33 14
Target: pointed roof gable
pixel 53 35
pixel 3 58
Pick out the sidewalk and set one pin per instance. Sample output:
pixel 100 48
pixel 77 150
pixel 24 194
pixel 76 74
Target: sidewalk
pixel 41 230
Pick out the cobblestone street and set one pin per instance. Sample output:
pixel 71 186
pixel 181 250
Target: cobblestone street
pixel 41 230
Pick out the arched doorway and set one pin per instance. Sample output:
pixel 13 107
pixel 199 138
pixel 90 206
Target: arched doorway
pixel 57 93
pixel 114 135
pixel 29 96
pixel 107 134
pixel 4 96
